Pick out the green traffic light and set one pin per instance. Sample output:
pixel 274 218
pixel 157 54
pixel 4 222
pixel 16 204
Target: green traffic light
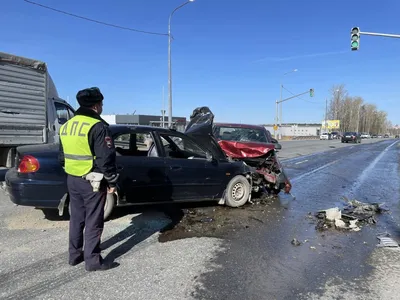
pixel 354 44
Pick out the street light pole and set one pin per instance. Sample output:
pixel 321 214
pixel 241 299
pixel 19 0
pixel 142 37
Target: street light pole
pixel 280 100
pixel 326 114
pixel 169 63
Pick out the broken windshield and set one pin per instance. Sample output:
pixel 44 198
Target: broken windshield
pixel 238 134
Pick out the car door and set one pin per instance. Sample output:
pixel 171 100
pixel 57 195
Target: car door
pixel 193 176
pixel 143 179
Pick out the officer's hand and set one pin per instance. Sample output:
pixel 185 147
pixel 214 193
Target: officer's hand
pixel 111 190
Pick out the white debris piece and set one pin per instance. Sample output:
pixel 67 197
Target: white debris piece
pixel 353 225
pixel 339 223
pixel 333 213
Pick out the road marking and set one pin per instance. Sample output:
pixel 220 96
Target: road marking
pixel 351 147
pixel 334 152
pixel 366 171
pixel 300 162
pixel 314 171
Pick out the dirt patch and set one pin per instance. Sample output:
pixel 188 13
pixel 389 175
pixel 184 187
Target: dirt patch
pixel 221 221
pixel 30 218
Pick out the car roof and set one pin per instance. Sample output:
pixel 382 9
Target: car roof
pixel 239 125
pixel 127 128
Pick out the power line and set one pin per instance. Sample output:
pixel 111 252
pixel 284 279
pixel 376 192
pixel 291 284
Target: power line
pixel 95 21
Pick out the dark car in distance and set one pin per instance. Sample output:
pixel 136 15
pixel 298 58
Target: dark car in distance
pixel 171 167
pixel 354 137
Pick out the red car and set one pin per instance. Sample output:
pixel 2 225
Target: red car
pixel 249 143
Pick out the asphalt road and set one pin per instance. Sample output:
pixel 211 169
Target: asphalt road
pixel 261 263
pixel 304 147
pixel 225 260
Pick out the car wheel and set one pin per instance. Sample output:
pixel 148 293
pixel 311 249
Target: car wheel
pixel 237 191
pixel 108 206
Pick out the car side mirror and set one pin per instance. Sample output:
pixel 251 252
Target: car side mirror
pixel 278 146
pixel 274 141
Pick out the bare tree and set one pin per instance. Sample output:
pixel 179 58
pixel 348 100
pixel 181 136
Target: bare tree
pixel 338 95
pixel 355 114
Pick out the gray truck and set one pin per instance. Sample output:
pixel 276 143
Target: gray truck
pixel 31 111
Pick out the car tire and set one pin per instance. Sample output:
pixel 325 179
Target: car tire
pixel 237 192
pixel 108 206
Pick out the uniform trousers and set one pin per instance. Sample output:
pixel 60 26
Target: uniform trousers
pixel 86 221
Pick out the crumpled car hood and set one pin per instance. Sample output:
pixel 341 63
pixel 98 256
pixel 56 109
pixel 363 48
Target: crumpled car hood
pixel 245 149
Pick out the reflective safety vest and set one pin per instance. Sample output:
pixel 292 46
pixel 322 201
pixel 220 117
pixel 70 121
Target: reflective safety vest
pixel 78 156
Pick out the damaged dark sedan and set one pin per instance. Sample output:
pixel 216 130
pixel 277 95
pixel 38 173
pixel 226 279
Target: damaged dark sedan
pixel 156 165
pixel 251 144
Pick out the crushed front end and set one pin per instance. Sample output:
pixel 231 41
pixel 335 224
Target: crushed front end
pixel 269 173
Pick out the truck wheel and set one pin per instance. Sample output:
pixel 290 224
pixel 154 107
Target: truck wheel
pixel 108 206
pixel 237 191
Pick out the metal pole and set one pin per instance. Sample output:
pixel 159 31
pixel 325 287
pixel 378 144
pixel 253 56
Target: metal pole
pixel 163 108
pixel 326 113
pixel 280 101
pixel 169 75
pixel 280 114
pixel 380 34
pixel 170 63
pixel 276 118
pixel 295 96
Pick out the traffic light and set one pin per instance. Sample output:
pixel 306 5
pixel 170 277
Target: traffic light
pixel 311 92
pixel 355 38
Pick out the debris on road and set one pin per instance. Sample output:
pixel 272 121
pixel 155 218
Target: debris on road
pixel 220 221
pixel 386 241
pixel 354 213
pixel 296 242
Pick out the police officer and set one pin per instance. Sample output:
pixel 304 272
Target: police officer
pixel 86 146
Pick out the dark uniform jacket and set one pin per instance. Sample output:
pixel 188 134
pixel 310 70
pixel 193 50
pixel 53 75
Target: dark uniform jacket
pixel 102 146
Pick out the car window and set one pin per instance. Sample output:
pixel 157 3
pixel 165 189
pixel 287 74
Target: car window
pixel 181 147
pixel 64 113
pixel 239 134
pixel 135 144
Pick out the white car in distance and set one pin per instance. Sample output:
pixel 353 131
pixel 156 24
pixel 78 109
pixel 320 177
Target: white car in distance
pixel 324 136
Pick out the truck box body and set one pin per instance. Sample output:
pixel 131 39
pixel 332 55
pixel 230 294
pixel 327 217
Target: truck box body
pixel 24 87
pixel 31 112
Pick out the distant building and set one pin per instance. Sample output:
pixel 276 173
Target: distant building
pixel 297 129
pixel 149 120
pixel 110 119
